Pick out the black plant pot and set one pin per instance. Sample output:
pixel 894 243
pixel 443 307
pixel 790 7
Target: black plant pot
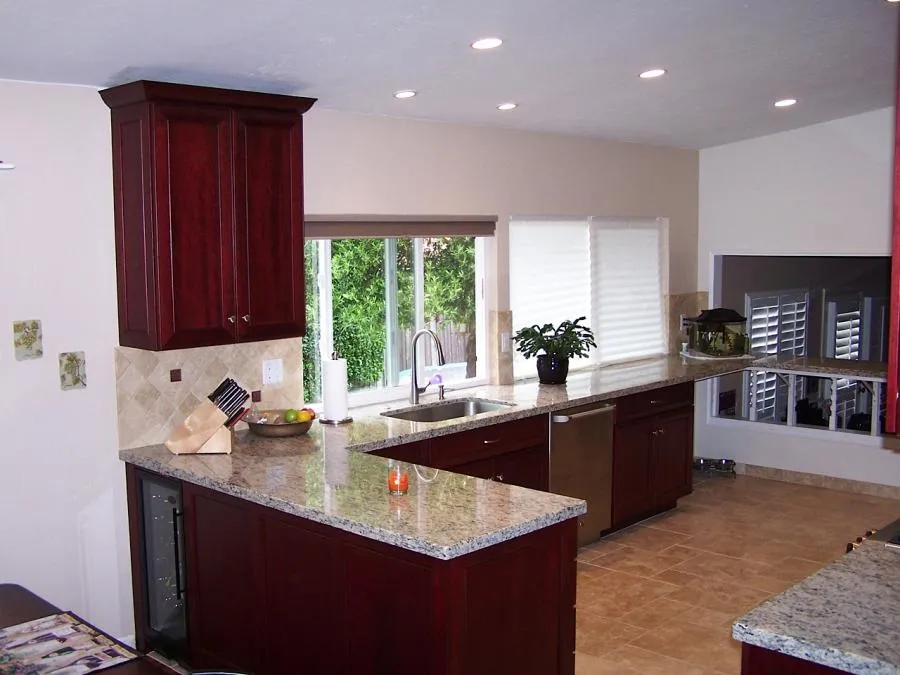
pixel 552 369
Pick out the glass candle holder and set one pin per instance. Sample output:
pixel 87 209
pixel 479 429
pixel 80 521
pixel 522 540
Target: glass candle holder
pixel 397 478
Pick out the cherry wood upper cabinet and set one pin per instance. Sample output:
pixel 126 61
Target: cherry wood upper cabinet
pixel 894 331
pixel 208 189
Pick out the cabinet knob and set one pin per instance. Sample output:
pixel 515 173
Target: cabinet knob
pixel 661 431
pixel 231 319
pixel 500 477
pixel 245 318
pixel 655 432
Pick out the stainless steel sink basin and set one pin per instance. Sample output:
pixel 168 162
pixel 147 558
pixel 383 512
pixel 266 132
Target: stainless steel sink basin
pixel 447 410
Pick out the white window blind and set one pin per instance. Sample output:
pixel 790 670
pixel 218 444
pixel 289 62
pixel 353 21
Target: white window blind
pixel 549 275
pixel 777 326
pixel 611 271
pixel 628 281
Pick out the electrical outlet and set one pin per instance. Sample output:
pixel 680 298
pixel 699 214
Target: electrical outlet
pixel 272 371
pixel 505 342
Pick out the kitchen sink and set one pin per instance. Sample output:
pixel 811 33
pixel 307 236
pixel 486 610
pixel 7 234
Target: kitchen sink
pixel 447 410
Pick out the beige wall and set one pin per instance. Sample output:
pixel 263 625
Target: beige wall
pixel 364 164
pixel 61 484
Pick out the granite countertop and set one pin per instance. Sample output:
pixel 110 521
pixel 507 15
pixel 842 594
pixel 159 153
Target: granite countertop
pixel 327 476
pixel 443 514
pixel 845 616
pixel 872 370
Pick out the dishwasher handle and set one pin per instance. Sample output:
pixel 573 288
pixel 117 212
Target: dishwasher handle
pixel 562 419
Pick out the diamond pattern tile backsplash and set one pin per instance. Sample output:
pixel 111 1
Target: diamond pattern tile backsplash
pixel 150 406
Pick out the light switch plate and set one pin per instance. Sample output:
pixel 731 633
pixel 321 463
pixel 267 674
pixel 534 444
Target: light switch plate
pixel 272 371
pixel 505 342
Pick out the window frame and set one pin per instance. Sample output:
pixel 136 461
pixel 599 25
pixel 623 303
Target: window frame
pixel 592 226
pixel 417 229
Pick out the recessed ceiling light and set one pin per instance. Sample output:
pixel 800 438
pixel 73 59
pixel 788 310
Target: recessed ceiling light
pixel 653 72
pixel 785 103
pixel 508 106
pixel 487 43
pixel 405 93
pixel 893 0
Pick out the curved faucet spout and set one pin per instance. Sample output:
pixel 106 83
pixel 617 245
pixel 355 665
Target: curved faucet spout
pixel 415 389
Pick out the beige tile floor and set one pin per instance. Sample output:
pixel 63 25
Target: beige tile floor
pixel 659 598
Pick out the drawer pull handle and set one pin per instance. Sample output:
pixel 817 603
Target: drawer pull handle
pixel 500 477
pixel 492 441
pixel 231 319
pixel 654 401
pixel 245 318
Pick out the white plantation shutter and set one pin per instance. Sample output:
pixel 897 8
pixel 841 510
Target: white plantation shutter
pixel 843 342
pixel 549 276
pixel 792 326
pixel 846 344
pixel 628 273
pixel 763 312
pixel 777 326
pixel 611 271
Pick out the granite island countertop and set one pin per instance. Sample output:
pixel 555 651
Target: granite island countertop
pixel 845 616
pixel 327 476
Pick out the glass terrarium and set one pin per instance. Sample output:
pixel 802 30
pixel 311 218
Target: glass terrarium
pixel 717 333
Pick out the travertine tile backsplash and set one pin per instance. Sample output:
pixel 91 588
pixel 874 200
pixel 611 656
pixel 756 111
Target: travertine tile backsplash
pixel 150 406
pixel 689 304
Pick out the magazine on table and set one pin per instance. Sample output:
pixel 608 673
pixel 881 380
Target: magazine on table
pixel 61 644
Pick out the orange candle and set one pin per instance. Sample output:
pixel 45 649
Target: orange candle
pixel 398 480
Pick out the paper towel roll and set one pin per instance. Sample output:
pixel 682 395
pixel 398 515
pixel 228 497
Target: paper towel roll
pixel 334 389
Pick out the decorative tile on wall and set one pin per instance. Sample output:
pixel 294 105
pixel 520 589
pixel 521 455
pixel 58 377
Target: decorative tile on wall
pixel 150 405
pixel 72 371
pixel 28 339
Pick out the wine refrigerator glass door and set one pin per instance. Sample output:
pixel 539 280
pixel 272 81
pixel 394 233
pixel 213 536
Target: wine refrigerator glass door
pixel 163 550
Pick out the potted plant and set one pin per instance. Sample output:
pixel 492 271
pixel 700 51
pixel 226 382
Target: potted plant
pixel 558 344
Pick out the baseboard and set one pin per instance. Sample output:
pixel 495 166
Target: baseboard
pixel 128 640
pixel 818 480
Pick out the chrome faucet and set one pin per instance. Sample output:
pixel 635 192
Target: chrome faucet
pixel 415 389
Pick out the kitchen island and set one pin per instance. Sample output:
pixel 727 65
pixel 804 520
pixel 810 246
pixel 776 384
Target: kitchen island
pixel 841 619
pixel 296 542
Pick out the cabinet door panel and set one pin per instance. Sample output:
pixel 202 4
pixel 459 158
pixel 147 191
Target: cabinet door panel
pixel 304 602
pixel 391 616
pixel 514 608
pixel 632 457
pixel 673 456
pixel 480 468
pixel 269 224
pixel 526 468
pixel 224 581
pixel 135 234
pixel 195 219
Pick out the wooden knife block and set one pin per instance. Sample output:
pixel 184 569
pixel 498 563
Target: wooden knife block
pixel 202 432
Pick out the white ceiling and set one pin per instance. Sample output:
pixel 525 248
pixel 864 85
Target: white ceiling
pixel 572 65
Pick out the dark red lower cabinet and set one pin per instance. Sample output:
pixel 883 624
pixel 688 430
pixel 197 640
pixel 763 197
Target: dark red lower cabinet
pixel 275 594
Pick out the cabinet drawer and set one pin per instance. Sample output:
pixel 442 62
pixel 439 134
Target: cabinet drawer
pixel 654 401
pixel 489 441
pixel 416 452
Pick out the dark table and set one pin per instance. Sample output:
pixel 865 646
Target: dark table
pixel 18 605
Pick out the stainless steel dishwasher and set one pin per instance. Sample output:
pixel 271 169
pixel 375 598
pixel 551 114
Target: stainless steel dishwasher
pixel 581 454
